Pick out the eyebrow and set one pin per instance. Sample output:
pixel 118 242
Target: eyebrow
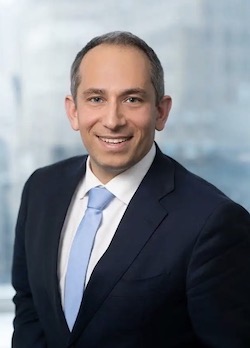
pixel 91 91
pixel 99 91
pixel 138 90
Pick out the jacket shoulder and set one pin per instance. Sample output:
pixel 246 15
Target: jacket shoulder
pixel 193 191
pixel 58 170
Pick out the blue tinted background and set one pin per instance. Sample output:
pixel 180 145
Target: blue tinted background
pixel 204 48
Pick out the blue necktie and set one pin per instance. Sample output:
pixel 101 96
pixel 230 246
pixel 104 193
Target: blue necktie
pixel 99 198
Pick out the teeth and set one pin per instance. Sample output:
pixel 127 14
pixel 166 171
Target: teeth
pixel 113 141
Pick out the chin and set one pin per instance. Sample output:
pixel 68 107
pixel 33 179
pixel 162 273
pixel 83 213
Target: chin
pixel 116 168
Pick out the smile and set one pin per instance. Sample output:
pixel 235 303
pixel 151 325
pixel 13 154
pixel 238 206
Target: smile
pixel 114 141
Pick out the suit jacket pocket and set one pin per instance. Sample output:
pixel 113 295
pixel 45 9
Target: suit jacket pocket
pixel 142 287
pixel 133 302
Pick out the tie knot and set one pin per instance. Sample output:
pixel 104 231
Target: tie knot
pixel 99 198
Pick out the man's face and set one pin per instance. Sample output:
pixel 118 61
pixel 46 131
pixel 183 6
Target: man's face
pixel 116 111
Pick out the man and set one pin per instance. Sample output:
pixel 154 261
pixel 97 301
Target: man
pixel 170 262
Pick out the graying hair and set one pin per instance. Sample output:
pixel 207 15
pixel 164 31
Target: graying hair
pixel 122 38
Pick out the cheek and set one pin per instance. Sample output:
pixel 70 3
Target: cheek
pixel 143 119
pixel 86 123
pixel 86 117
pixel 146 124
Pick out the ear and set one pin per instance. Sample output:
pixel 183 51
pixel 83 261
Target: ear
pixel 163 110
pixel 71 111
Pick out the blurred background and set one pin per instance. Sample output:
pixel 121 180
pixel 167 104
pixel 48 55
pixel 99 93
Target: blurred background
pixel 204 47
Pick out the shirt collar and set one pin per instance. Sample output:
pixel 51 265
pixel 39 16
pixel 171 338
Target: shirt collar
pixel 124 185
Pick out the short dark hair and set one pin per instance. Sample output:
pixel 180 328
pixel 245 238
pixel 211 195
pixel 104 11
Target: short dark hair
pixel 122 38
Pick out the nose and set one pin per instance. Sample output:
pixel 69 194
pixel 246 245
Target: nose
pixel 113 117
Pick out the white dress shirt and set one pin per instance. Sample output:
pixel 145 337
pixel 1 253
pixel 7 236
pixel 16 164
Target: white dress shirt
pixel 123 187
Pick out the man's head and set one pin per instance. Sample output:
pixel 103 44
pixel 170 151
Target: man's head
pixel 121 38
pixel 117 104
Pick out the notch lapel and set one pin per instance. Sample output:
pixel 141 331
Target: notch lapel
pixel 56 209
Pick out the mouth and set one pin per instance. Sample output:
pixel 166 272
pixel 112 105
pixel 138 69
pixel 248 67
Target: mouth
pixel 114 140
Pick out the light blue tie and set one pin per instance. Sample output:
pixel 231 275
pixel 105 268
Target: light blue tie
pixel 99 198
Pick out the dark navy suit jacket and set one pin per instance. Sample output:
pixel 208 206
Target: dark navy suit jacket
pixel 176 274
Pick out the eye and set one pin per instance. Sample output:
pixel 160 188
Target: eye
pixel 95 100
pixel 133 100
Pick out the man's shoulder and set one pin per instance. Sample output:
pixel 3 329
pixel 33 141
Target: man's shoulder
pixel 186 184
pixel 195 185
pixel 56 171
pixel 67 163
pixel 191 193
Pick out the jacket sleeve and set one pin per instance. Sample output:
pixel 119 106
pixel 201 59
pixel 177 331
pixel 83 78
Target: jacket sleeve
pixel 28 332
pixel 218 280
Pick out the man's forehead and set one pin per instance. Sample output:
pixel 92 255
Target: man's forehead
pixel 115 68
pixel 102 51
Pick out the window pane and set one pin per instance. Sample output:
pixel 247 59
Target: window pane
pixel 204 48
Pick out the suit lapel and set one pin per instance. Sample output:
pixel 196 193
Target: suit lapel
pixel 142 217
pixel 57 205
